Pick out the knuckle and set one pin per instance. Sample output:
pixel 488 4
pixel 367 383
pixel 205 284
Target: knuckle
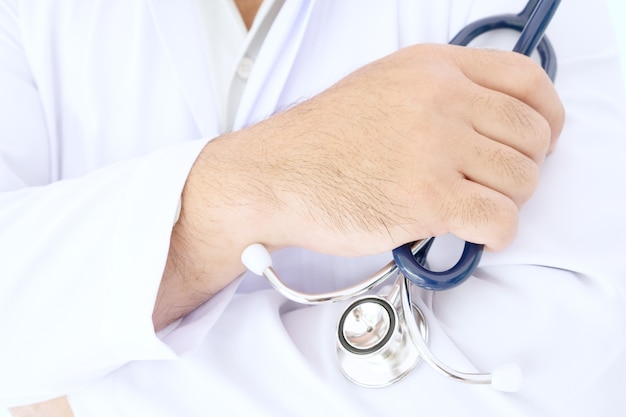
pixel 505 225
pixel 520 172
pixel 530 127
pixel 541 134
pixel 537 88
pixel 534 76
pixel 527 130
pixel 490 221
pixel 469 211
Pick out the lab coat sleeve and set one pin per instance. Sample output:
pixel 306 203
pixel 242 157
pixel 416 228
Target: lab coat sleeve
pixel 23 137
pixel 80 259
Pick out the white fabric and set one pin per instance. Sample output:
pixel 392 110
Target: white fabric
pixel 115 117
pixel 231 49
pixel 224 35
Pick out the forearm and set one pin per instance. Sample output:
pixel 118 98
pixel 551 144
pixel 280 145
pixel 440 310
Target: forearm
pixel 326 175
pixel 222 211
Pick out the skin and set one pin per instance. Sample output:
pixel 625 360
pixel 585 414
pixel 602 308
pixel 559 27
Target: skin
pixel 58 407
pixel 327 175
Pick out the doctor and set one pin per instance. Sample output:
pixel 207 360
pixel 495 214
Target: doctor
pixel 145 144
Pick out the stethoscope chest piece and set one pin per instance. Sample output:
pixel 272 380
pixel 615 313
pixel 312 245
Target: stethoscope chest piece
pixel 374 348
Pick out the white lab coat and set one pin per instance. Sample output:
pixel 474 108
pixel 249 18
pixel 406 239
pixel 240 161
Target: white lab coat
pixel 106 103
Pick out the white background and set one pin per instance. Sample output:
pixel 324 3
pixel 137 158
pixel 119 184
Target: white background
pixel 618 11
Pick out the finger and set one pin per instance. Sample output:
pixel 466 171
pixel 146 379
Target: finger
pixel 515 75
pixel 499 167
pixel 511 122
pixel 481 215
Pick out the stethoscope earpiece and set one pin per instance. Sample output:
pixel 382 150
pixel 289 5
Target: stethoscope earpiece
pixel 256 258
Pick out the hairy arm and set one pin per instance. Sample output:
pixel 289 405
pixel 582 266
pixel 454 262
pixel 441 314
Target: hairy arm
pixel 338 173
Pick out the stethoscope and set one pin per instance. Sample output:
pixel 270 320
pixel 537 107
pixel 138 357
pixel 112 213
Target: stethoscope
pixel 377 343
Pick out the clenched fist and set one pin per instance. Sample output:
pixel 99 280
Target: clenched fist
pixel 429 140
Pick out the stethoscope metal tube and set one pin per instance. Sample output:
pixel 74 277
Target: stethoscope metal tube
pixel 506 378
pixel 258 260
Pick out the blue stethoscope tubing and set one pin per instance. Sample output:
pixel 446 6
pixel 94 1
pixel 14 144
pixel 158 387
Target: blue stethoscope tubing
pixel 531 22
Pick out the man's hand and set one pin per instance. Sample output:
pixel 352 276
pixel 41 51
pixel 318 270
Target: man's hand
pixel 432 139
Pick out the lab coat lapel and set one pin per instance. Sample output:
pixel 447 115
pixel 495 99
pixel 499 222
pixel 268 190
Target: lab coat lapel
pixel 274 62
pixel 181 34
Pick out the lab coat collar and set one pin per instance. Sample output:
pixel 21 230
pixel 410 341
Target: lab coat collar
pixel 185 50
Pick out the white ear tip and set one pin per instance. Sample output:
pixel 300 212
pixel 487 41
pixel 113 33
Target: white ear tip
pixel 256 258
pixel 507 378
